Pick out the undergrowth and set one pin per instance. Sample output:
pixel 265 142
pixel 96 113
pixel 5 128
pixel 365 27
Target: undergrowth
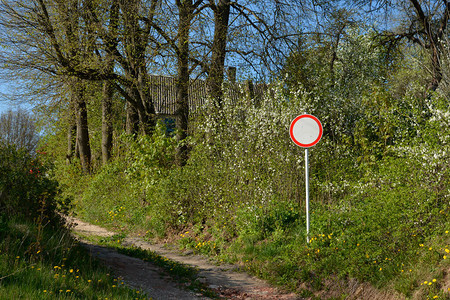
pixel 38 257
pixel 379 194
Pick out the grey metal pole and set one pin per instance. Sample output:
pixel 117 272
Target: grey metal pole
pixel 307 193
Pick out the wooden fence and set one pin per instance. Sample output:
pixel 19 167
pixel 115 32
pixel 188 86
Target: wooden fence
pixel 163 91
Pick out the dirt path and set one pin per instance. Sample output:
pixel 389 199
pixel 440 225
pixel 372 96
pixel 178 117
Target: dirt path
pixel 225 279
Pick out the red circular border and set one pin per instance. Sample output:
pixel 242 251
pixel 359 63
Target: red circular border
pixel 291 128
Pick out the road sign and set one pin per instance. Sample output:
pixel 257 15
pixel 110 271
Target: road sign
pixel 306 130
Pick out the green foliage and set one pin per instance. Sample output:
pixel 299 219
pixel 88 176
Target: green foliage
pixel 118 195
pixel 38 257
pixel 25 189
pixel 378 179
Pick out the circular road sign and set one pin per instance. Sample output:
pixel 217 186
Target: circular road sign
pixel 306 130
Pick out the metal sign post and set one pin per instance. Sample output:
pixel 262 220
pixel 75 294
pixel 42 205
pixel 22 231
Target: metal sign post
pixel 306 131
pixel 307 193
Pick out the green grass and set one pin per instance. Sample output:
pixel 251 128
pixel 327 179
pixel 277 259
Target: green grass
pixel 50 264
pixel 372 234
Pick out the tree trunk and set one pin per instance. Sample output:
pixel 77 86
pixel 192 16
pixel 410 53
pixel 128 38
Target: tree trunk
pixel 82 125
pixel 107 128
pixel 147 115
pixel 433 40
pixel 436 76
pixel 71 137
pixel 216 71
pixel 132 126
pixel 71 132
pixel 182 84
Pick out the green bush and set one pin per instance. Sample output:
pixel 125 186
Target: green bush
pixel 26 191
pixel 120 193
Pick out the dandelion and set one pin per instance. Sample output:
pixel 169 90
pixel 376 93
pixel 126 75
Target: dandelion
pixel 71 271
pixel 434 280
pixel 446 250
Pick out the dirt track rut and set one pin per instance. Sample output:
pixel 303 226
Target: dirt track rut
pixel 225 279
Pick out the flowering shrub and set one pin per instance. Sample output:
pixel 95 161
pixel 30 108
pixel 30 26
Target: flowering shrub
pixel 376 193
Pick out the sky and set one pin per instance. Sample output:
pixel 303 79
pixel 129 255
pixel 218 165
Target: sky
pixel 5 104
pixel 4 107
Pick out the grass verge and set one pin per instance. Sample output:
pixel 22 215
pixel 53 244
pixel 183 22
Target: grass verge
pixel 49 264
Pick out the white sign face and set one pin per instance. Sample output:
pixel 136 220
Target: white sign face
pixel 306 131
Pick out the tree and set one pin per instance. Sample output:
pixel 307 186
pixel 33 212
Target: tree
pixel 424 23
pixel 108 85
pixel 345 66
pixel 120 43
pixel 214 81
pixel 18 128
